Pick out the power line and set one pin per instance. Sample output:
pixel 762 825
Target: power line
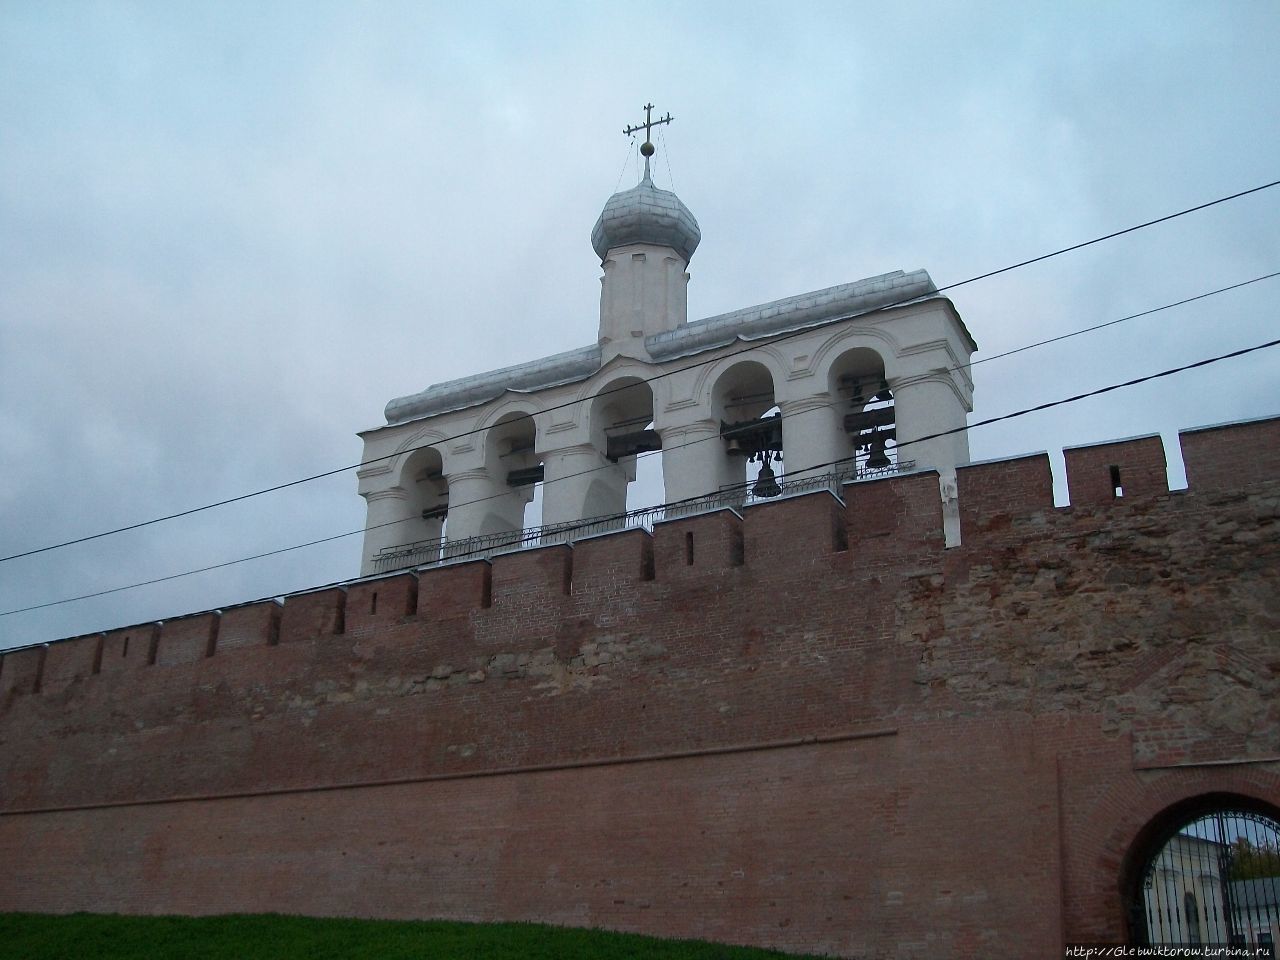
pixel 791 417
pixel 714 359
pixel 580 473
pixel 817 466
pixel 1112 323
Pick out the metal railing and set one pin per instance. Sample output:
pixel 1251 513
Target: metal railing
pixel 423 553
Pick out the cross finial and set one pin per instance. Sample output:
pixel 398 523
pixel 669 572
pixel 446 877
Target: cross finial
pixel 646 148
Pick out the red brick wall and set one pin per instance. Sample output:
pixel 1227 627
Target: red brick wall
pixel 254 624
pixel 310 615
pixel 817 729
pixel 1231 456
pixel 187 639
pixel 129 648
pixel 1107 472
pixel 67 661
pixel 999 499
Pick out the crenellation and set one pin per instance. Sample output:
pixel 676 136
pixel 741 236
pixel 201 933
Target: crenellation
pixel 187 639
pixel 249 625
pixel 455 590
pixel 381 600
pixel 68 661
pixel 612 564
pixel 994 494
pixel 313 615
pixel 1231 456
pixel 698 546
pixel 23 669
pixel 798 529
pixel 129 648
pixel 880 519
pixel 1107 473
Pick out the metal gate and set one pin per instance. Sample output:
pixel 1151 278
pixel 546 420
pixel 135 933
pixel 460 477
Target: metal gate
pixel 1214 882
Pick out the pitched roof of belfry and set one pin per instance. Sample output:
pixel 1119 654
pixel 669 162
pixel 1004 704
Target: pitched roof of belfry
pixel 751 323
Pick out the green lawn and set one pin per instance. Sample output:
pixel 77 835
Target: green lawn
pixel 28 936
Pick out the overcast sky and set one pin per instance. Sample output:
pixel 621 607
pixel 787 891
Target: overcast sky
pixel 231 232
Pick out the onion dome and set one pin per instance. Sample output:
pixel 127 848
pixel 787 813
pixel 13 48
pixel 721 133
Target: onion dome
pixel 645 214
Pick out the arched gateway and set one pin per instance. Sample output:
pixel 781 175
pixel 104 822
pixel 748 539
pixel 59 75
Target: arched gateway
pixel 1207 872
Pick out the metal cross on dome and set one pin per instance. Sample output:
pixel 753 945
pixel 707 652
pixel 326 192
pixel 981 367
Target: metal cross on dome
pixel 646 148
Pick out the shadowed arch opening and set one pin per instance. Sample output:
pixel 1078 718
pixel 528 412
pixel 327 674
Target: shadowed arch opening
pixel 622 429
pixel 868 420
pixel 744 402
pixel 516 469
pixel 422 477
pixel 1206 872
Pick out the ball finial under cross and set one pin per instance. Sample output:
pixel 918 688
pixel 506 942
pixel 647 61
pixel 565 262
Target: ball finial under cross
pixel 646 148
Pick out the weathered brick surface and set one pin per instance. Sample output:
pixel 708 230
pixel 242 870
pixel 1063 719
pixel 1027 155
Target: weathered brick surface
pixel 21 670
pixel 311 615
pixel 1106 472
pixel 1004 499
pixel 187 639
pixel 251 625
pixel 1232 456
pixel 817 729
pixel 455 590
pixel 794 530
pixel 130 648
pixel 70 660
pixel 694 548
pixel 612 566
pixel 379 602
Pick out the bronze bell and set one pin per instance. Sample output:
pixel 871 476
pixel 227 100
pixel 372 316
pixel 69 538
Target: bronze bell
pixel 766 484
pixel 878 459
pixel 734 448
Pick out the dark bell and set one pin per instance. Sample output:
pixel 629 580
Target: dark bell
pixel 646 149
pixel 879 459
pixel 766 484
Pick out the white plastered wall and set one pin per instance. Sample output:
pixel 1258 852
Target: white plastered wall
pixel 922 345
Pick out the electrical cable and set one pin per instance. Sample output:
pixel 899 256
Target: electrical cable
pixel 658 376
pixel 933 436
pixel 963 366
pixel 1112 323
pixel 903 382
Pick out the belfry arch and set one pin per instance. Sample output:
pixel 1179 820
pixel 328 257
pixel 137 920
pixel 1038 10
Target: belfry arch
pixel 427 502
pixel 515 468
pixel 744 402
pixel 864 412
pixel 407 498
pixel 620 419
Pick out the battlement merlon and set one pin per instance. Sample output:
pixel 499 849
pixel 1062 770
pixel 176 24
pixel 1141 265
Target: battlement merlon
pixel 1116 487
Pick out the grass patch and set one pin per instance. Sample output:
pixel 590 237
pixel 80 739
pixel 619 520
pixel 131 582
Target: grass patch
pixel 30 936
